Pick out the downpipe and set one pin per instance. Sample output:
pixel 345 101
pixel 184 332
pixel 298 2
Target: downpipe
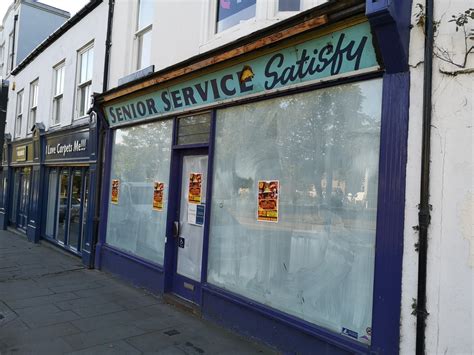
pixel 424 213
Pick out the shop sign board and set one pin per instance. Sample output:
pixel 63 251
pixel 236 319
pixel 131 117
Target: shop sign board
pixel 75 145
pixel 21 153
pixel 345 52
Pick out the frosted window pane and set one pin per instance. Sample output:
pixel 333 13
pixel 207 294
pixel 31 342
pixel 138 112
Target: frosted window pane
pixel 317 261
pixel 141 156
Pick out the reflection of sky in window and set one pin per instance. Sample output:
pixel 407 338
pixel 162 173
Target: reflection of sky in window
pixel 119 134
pixel 372 99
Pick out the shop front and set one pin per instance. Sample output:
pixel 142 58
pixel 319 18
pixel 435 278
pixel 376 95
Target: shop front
pixel 20 168
pixel 254 189
pixel 67 215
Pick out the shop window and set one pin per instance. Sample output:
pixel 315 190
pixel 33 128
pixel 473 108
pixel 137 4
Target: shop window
pixel 63 205
pixel 51 203
pixel 33 105
pixel 232 12
pixel 84 210
pixel 141 158
pixel 19 113
pixel 294 203
pixel 143 33
pixel 84 78
pixel 194 129
pixel 58 91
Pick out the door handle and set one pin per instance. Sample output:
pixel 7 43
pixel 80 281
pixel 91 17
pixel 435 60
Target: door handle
pixel 175 229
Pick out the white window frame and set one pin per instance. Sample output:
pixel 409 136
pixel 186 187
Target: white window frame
pixel 266 13
pixel 33 105
pixel 2 58
pixel 19 112
pixel 57 97
pixel 139 34
pixel 10 52
pixel 85 85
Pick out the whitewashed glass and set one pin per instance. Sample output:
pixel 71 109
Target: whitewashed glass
pixel 140 157
pixel 317 261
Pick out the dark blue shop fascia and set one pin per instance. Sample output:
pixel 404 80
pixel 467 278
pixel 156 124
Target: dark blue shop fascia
pixel 389 22
pixel 72 150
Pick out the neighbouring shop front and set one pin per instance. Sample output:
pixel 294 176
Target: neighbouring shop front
pixel 22 164
pixel 66 206
pixel 256 190
pixel 47 185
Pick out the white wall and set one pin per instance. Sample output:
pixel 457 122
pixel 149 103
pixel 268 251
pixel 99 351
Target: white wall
pixel 181 29
pixel 450 299
pixel 93 27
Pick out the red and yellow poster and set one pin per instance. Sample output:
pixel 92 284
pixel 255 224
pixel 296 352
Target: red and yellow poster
pixel 115 191
pixel 268 195
pixel 158 191
pixel 195 186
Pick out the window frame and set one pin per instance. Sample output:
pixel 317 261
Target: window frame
pixel 10 52
pixel 19 113
pixel 32 105
pixel 2 55
pixel 81 85
pixel 266 13
pixel 139 34
pixel 57 98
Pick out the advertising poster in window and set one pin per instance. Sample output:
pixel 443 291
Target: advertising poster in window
pixel 115 191
pixel 195 186
pixel 268 195
pixel 158 190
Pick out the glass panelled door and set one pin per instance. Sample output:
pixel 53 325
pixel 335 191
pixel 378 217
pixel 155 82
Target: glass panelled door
pixel 68 190
pixel 75 208
pixel 189 227
pixel 63 205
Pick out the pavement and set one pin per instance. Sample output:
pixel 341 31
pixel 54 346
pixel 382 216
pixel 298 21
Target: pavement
pixel 51 304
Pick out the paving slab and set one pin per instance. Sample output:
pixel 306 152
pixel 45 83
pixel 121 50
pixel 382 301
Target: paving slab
pixel 51 304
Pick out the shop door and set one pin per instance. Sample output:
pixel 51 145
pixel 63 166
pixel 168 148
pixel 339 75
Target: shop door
pixel 189 227
pixel 24 198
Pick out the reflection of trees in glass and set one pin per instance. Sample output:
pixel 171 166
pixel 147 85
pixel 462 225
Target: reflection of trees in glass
pixel 322 143
pixel 317 261
pixel 135 155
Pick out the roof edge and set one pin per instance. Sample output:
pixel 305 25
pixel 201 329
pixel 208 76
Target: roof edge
pixel 88 8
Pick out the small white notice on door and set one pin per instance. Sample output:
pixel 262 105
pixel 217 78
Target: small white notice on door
pixel 192 208
pixel 196 214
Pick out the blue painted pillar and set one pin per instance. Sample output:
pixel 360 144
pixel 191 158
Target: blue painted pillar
pixel 6 183
pixel 88 250
pixel 33 231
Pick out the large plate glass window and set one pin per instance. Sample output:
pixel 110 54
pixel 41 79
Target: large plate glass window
pixel 34 87
pixel 51 203
pixel 314 259
pixel 143 32
pixel 84 80
pixel 141 159
pixel 58 90
pixel 19 113
pixel 232 12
